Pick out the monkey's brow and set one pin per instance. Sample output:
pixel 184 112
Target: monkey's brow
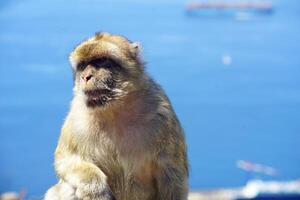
pixel 82 64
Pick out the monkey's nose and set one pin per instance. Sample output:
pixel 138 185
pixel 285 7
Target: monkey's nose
pixel 87 77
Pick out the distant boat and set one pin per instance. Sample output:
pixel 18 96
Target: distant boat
pixel 225 5
pixel 265 190
pixel 253 190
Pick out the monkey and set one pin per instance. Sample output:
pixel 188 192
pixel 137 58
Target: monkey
pixel 62 190
pixel 121 139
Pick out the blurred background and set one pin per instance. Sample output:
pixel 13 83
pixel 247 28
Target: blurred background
pixel 232 75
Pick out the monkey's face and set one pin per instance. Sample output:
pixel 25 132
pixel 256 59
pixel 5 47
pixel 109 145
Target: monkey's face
pixel 100 80
pixel 105 69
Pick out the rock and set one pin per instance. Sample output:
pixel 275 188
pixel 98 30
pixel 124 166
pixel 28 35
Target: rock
pixel 10 196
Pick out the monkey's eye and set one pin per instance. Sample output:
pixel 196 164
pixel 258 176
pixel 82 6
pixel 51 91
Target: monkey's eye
pixel 106 63
pixel 102 62
pixel 81 66
pixel 99 63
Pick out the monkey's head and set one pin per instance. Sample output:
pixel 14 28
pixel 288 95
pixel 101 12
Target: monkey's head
pixel 106 68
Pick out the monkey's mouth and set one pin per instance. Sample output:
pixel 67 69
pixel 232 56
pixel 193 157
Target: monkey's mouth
pixel 98 97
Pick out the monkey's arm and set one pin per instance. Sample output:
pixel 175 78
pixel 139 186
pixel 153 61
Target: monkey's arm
pixel 171 181
pixel 88 180
pixel 172 164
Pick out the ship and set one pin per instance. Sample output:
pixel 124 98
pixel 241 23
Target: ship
pixel 254 190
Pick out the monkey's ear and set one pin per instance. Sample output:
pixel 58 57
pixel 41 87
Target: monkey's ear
pixel 135 49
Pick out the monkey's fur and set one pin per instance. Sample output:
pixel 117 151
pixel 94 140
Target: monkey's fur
pixel 121 139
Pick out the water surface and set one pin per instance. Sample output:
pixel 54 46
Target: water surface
pixel 248 109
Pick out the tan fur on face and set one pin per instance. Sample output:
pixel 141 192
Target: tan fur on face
pixel 104 44
pixel 132 148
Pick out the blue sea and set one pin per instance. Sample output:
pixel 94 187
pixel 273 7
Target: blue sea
pixel 232 76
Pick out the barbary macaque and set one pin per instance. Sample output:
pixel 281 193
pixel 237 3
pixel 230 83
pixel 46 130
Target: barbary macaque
pixel 121 139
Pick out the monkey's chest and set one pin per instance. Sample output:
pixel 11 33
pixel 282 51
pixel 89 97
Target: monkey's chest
pixel 133 182
pixel 125 157
pixel 129 176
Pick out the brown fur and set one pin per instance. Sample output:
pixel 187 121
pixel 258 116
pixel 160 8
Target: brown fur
pixel 131 147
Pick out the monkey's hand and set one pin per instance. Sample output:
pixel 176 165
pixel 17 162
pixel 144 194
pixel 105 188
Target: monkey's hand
pixel 61 191
pixel 89 181
pixel 94 189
